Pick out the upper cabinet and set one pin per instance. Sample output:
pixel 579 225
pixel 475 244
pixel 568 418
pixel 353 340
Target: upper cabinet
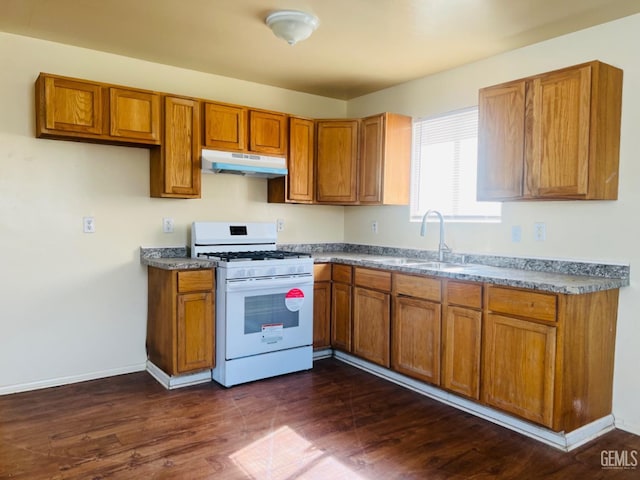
pixel 240 129
pixel 175 166
pixel 298 185
pixel 68 108
pixel 385 160
pixel 337 161
pixel 268 132
pixel 365 161
pixel 551 136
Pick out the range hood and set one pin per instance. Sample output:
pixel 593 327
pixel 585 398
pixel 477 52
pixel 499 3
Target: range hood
pixel 249 164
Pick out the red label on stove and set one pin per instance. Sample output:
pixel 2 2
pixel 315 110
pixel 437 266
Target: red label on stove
pixel 294 299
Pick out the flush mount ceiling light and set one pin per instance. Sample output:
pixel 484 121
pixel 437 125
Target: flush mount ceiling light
pixel 291 25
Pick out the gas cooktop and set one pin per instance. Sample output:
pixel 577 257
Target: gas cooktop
pixel 252 256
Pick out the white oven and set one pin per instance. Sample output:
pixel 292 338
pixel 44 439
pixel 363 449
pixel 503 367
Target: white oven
pixel 267 314
pixel 264 302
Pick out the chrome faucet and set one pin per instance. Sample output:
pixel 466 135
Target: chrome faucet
pixel 442 247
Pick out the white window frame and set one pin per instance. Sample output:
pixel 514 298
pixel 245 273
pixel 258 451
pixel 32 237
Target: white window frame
pixel 444 121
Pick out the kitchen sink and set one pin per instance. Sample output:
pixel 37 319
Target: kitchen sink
pixel 417 262
pixel 399 260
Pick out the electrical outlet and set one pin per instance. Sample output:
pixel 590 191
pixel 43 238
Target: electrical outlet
pixel 516 233
pixel 88 225
pixel 539 231
pixel 374 226
pixel 280 224
pixel 167 225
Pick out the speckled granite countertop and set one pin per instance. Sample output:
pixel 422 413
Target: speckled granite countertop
pixel 559 276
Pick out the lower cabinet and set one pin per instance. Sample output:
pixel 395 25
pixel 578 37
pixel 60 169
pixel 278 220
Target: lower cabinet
pixel 180 322
pixel 544 357
pixel 416 338
pixel 461 338
pixel 372 315
pixel 520 367
pixel 341 323
pixel 549 357
pixel 415 335
pixel 322 306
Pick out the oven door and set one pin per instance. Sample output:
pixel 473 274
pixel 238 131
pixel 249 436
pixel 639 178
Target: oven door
pixel 268 314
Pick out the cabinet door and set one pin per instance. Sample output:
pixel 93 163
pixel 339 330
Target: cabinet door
pixel 501 137
pixel 371 160
pixel 195 331
pixel 337 161
pixel 301 153
pixel 416 338
pixel 175 166
pixel 371 325
pixel 268 133
pixel 225 127
pixel 68 106
pixel 519 367
pixel 322 315
pixel 134 115
pixel 341 316
pixel 558 153
pixel 462 331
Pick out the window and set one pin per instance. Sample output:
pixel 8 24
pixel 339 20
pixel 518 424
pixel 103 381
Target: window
pixel 444 168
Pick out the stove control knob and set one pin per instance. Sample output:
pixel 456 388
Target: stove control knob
pixel 292 269
pixel 239 273
pixel 271 271
pixel 251 272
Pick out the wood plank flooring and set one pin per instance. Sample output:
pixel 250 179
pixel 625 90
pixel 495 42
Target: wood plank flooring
pixel 333 422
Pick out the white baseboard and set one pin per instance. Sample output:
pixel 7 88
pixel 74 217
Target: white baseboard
pixel 320 354
pixel 560 440
pixel 177 381
pixel 56 382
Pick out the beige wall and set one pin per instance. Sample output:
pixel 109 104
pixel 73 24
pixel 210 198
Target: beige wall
pixel 579 230
pixel 74 304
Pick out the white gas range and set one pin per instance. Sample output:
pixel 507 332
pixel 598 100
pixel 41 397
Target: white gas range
pixel 264 301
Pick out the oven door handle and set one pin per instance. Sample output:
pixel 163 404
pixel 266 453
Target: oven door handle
pixel 268 283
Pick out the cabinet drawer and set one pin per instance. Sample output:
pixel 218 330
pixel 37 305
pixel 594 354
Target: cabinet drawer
pixel 195 281
pixel 322 272
pixel 374 279
pixel 465 294
pixel 341 273
pixel 414 286
pixel 522 303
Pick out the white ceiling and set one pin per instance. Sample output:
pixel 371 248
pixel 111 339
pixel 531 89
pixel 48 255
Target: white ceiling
pixel 360 47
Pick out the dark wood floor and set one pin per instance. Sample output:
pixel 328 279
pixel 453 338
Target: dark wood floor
pixel 334 422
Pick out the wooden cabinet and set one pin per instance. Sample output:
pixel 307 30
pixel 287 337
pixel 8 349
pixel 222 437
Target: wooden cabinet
pixel 372 315
pixel 337 161
pixel 385 160
pixel 551 136
pixel 461 338
pixel 236 128
pixel 341 320
pixel 180 322
pixel 134 115
pixel 68 107
pixel 322 306
pixel 175 166
pixel 549 357
pixel 364 161
pixel 416 327
pixel 268 133
pixel 298 185
pixel 225 127
pixel 520 367
pixel 74 109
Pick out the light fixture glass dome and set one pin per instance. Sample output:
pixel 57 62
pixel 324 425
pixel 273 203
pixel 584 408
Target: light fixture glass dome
pixel 291 25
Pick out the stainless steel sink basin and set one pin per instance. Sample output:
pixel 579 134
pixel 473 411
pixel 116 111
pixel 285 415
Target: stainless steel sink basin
pixel 399 260
pixel 416 262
